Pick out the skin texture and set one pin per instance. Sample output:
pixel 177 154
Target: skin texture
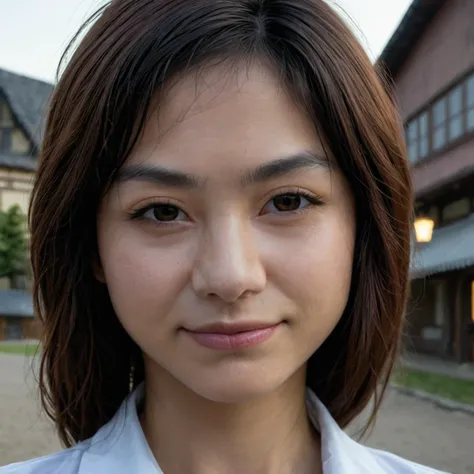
pixel 228 254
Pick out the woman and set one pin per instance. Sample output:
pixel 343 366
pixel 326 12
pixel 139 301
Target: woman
pixel 220 243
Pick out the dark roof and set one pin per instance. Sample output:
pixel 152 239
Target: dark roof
pixel 27 163
pixel 16 303
pixel 451 248
pixel 412 27
pixel 28 99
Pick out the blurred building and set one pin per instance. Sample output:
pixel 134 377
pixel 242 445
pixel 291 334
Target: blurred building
pixel 22 113
pixel 431 60
pixel 16 316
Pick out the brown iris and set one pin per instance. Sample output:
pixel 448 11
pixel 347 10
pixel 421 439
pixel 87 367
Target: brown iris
pixel 165 213
pixel 287 202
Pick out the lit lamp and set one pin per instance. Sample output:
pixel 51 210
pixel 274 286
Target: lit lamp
pixel 424 229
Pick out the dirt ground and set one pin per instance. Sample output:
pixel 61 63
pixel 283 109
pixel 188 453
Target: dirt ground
pixel 406 426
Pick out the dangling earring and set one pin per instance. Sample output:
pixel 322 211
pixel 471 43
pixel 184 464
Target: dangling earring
pixel 131 381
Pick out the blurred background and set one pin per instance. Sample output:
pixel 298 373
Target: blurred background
pixel 427 48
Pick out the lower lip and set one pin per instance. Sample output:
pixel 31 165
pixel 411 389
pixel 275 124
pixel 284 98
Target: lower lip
pixel 230 342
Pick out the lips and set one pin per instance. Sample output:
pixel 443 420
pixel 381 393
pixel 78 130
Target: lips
pixel 234 336
pixel 233 328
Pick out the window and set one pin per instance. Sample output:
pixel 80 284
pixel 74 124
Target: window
pixel 5 115
pixel 456 210
pixel 439 124
pixel 412 141
pixel 470 104
pixel 455 113
pixel 14 329
pixel 12 139
pixel 6 126
pixel 5 140
pixel 19 144
pixel 446 121
pixel 417 138
pixel 423 135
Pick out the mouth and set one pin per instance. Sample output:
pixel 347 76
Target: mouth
pixel 232 336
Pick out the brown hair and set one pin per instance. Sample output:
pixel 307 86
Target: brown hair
pixel 97 112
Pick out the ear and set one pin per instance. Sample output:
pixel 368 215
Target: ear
pixel 97 269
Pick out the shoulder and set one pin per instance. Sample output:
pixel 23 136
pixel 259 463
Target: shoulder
pixel 113 449
pixel 354 458
pixel 393 464
pixel 344 455
pixel 64 462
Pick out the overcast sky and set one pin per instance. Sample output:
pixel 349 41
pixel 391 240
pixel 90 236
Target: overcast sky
pixel 34 33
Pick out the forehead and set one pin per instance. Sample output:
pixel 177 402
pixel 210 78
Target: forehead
pixel 233 114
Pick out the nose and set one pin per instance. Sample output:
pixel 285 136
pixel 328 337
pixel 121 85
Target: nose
pixel 228 265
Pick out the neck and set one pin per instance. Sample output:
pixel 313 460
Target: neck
pixel 192 435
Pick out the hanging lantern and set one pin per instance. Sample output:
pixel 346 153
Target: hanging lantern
pixel 424 229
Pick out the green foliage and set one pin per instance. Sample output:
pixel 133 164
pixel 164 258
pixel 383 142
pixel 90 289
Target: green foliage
pixel 20 349
pixel 13 242
pixel 456 389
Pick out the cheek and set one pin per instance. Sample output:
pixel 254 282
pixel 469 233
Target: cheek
pixel 143 280
pixel 315 270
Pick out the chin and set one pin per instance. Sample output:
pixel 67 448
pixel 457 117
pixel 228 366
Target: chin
pixel 239 387
pixel 231 393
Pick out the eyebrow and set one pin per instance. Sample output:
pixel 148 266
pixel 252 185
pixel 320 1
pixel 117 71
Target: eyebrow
pixel 265 172
pixel 284 166
pixel 158 175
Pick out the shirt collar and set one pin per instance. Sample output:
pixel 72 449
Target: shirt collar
pixel 121 446
pixel 339 452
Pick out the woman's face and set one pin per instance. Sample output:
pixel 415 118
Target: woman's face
pixel 227 241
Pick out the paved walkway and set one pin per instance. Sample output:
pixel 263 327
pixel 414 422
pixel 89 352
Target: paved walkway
pixel 438 365
pixel 21 341
pixel 24 431
pixel 406 426
pixel 422 432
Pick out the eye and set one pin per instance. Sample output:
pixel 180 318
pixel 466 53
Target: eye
pixel 160 213
pixel 289 202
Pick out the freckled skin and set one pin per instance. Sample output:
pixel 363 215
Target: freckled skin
pixel 230 254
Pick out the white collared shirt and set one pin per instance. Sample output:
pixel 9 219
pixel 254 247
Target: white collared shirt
pixel 120 447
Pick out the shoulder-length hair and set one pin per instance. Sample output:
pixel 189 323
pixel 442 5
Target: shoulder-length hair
pixel 132 48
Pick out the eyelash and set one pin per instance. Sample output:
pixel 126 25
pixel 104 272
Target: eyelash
pixel 313 200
